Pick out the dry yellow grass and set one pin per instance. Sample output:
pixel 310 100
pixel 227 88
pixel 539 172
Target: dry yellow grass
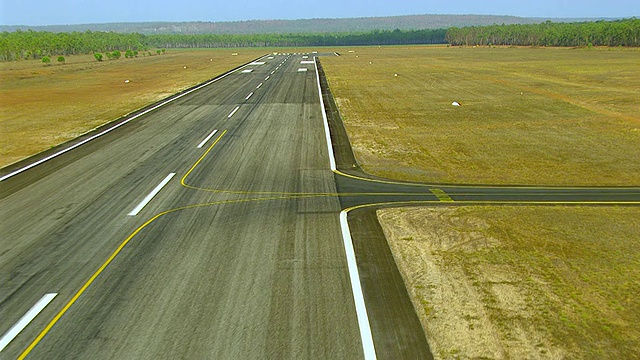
pixel 528 116
pixel 522 282
pixel 43 106
pixel 502 282
pixel 506 282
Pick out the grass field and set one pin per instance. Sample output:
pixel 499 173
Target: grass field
pixel 528 116
pixel 488 282
pixel 506 282
pixel 522 282
pixel 43 106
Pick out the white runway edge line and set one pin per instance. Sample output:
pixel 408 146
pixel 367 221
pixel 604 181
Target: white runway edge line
pixel 117 125
pixel 267 78
pixel 233 112
pixel 259 85
pixel 354 276
pixel 248 96
pixel 207 139
pixel 25 320
pixel 332 159
pixel 149 197
pixel 356 288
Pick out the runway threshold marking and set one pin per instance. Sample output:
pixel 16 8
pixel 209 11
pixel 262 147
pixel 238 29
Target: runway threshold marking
pixel 25 320
pixel 356 289
pixel 207 139
pixel 233 112
pixel 151 195
pixel 441 195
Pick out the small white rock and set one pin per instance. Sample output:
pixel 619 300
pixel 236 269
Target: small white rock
pixel 126 81
pixel 185 67
pixel 455 103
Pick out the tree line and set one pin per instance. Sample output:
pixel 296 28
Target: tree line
pixel 599 33
pixel 298 26
pixel 377 37
pixel 38 44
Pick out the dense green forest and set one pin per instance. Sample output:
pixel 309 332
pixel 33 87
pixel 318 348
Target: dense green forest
pixel 600 33
pixel 270 40
pixel 37 44
pixel 300 26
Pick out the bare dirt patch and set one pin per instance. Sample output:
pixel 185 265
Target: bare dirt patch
pixel 522 282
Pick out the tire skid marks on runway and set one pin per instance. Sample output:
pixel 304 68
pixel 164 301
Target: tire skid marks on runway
pixel 118 250
pixel 25 320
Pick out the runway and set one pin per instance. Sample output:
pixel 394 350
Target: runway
pixel 223 263
pixel 209 227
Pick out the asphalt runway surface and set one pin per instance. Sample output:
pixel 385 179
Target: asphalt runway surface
pixel 209 228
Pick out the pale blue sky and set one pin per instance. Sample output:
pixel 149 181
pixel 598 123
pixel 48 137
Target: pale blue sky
pixel 55 12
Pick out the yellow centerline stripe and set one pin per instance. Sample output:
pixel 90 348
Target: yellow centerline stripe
pixel 119 249
pixel 445 197
pixel 439 193
pixel 85 286
pixel 481 186
pixel 182 181
pixel 442 197
pixel 460 202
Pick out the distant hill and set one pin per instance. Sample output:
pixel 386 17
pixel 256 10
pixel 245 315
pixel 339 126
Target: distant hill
pixel 408 22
